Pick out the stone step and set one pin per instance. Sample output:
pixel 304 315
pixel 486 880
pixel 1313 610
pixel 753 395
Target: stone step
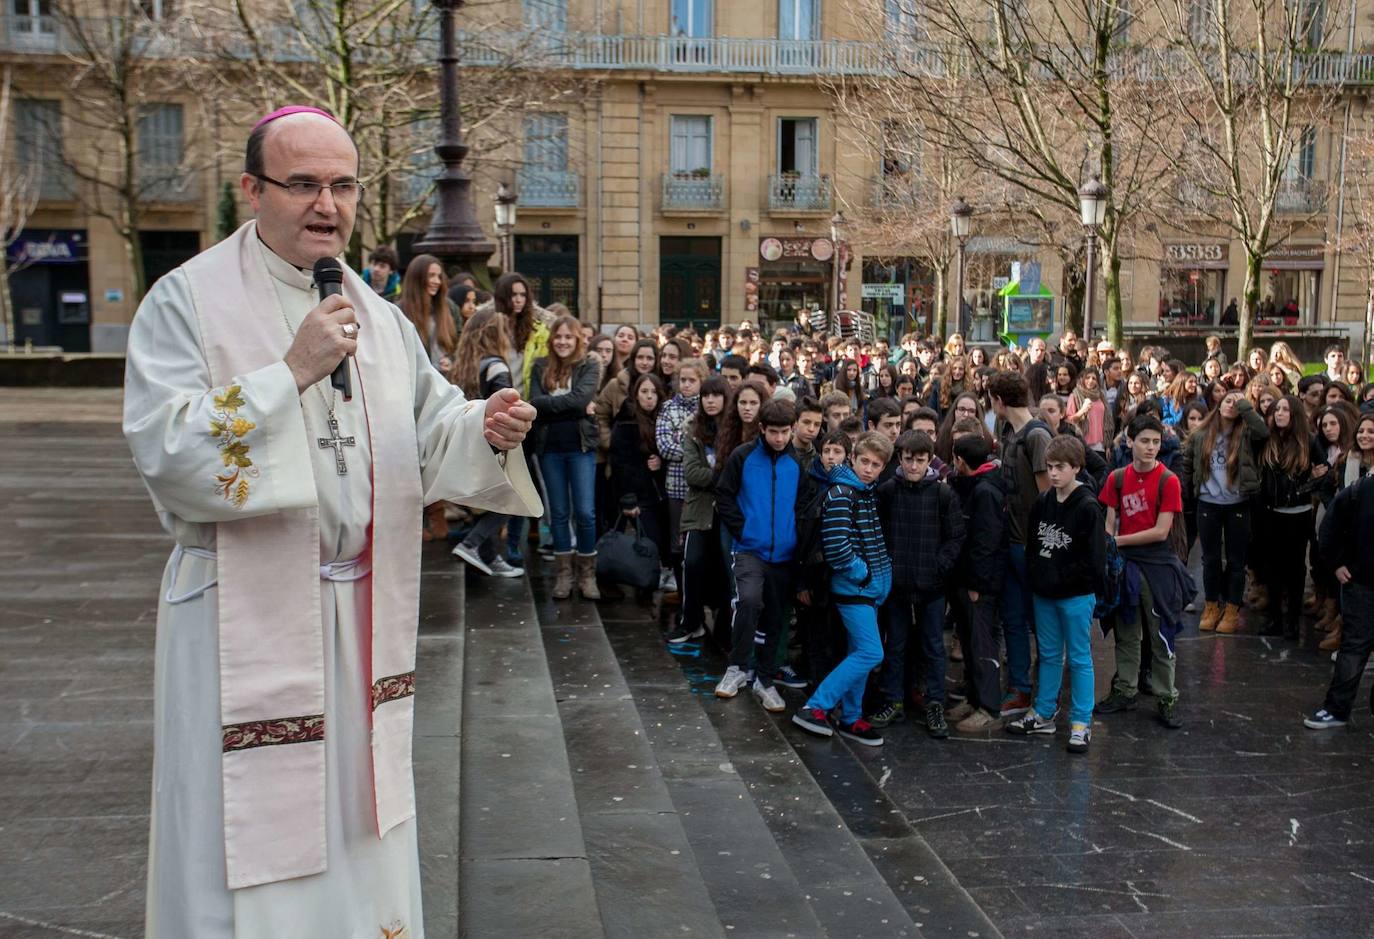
pixel 438 736
pixel 773 850
pixel 524 864
pixel 643 867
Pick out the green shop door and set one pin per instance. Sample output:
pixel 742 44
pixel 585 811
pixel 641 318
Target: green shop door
pixel 549 263
pixel 689 282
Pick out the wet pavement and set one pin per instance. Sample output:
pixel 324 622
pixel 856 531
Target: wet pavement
pixel 710 816
pixel 1242 823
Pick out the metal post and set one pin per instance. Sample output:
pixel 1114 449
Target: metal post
pixel 454 235
pixel 958 297
pixel 1089 288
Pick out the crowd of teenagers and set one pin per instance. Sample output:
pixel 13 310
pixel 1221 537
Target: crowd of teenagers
pixel 828 511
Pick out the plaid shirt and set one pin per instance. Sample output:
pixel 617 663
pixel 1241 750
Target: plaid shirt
pixel 672 421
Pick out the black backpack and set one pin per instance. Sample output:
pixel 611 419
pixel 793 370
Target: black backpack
pixel 1178 530
pixel 1016 452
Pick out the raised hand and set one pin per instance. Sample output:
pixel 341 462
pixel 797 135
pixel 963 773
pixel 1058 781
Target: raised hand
pixel 322 341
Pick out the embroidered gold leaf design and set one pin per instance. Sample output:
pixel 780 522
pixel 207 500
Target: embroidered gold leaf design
pixel 227 429
pixel 231 400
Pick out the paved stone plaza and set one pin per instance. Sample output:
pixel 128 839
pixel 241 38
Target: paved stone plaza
pixel 577 779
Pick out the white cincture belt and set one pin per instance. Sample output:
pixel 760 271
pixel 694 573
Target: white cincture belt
pixel 335 571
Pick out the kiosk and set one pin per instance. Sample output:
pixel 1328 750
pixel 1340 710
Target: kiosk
pixel 1027 306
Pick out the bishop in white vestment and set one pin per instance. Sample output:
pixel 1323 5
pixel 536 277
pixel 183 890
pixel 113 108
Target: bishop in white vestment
pixel 283 797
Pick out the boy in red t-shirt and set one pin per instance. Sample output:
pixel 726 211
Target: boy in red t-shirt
pixel 1136 517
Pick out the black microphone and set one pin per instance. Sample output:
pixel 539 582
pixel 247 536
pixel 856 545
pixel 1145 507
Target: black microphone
pixel 329 280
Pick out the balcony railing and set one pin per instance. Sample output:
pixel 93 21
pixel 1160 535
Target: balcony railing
pixel 791 192
pixel 28 33
pixel 1301 196
pixel 181 187
pixel 549 189
pixel 732 54
pixel 897 191
pixel 689 191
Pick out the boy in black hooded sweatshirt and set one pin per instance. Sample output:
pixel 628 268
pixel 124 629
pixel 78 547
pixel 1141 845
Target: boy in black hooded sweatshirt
pixel 976 582
pixel 1066 559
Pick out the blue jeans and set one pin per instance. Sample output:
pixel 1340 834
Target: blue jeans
pixel 1065 627
pixel 901 613
pixel 1016 620
pixel 845 683
pixel 570 482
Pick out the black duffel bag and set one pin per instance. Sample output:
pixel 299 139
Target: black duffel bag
pixel 628 557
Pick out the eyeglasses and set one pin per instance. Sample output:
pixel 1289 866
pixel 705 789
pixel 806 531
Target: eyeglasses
pixel 966 411
pixel 346 191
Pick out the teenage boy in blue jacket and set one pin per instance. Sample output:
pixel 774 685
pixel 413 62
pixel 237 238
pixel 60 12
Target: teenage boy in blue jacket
pixel 756 499
pixel 861 578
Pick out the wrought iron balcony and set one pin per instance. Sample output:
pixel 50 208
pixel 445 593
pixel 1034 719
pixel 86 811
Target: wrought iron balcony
pixel 693 192
pixel 897 191
pixel 792 192
pixel 1301 196
pixel 29 33
pixel 549 189
pixel 157 184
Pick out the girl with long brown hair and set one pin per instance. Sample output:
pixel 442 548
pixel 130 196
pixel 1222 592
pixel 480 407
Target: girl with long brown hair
pixel 481 368
pixel 953 382
pixel 1285 507
pixel 740 424
pixel 564 438
pixel 425 302
pixel 637 468
pixel 1220 463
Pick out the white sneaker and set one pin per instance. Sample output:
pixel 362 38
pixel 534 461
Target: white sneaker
pixel 734 680
pixel 667 582
pixel 500 567
pixel 769 698
pixel 471 556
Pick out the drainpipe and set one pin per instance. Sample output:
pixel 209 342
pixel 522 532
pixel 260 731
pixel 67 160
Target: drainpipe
pixel 1340 181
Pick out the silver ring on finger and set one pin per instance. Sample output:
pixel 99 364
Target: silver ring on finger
pixel 350 330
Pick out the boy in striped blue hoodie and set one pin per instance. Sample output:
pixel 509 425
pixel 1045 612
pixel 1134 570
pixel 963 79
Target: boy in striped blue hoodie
pixel 860 579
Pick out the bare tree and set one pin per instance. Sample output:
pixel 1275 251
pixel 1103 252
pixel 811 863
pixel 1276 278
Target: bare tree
pixel 372 64
pixel 1357 238
pixel 1036 100
pixel 904 210
pixel 1252 89
pixel 132 74
pixel 19 192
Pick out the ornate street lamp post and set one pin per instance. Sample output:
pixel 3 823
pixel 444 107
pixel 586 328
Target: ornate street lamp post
pixel 837 224
pixel 454 236
pixel 505 224
pixel 960 221
pixel 1092 206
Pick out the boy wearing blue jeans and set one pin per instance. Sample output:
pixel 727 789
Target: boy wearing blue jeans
pixel 861 576
pixel 1066 561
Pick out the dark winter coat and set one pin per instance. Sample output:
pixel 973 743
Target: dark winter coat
pixel 923 526
pixel 982 562
pixel 565 407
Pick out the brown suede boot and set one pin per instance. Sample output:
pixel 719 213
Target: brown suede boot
pixel 563 576
pixel 436 525
pixel 1211 615
pixel 586 576
pixel 1230 620
pixel 1332 642
pixel 1331 611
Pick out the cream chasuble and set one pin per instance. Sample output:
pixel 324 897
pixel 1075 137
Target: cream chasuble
pixel 318 839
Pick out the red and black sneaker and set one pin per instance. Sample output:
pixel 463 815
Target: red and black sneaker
pixel 862 732
pixel 813 720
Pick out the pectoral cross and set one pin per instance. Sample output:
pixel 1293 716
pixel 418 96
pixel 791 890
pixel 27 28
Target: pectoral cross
pixel 337 443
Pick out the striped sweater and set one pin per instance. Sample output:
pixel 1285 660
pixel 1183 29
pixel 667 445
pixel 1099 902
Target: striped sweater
pixel 852 539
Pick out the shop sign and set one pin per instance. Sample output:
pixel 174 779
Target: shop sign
pixel 795 249
pixel 40 246
pixel 1296 258
pixel 1197 255
pixel 895 293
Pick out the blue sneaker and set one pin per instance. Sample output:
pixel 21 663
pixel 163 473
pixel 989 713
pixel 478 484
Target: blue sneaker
pixel 787 677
